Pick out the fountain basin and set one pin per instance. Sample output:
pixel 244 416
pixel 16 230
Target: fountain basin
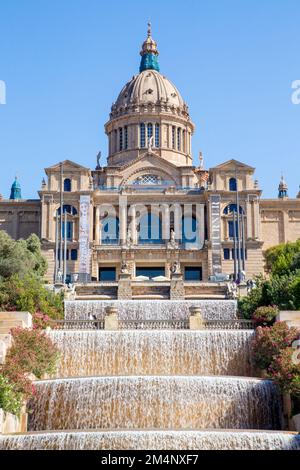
pixel 150 402
pixel 153 440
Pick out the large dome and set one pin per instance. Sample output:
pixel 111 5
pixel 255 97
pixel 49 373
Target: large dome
pixel 149 114
pixel 149 87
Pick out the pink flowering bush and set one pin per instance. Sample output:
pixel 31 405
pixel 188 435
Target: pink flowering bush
pixel 41 321
pixel 270 341
pixel 285 372
pixel 34 352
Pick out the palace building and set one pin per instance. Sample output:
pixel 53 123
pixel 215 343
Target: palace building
pixel 150 214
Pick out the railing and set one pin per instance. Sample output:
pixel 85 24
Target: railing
pixel 154 324
pixel 78 325
pixel 228 324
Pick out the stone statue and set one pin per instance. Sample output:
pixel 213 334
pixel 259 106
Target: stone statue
pixel 151 143
pixel 201 160
pixel 175 268
pixel 172 243
pixel 98 161
pixel 129 238
pixel 124 268
pixel 59 275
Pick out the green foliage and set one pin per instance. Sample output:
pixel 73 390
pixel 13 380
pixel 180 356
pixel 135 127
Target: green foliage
pixel 285 372
pixel 284 258
pixel 20 257
pixel 10 399
pixel 265 315
pixel 247 305
pixel 30 295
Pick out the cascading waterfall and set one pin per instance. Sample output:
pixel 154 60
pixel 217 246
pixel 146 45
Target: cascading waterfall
pixel 154 440
pixel 154 389
pixel 151 310
pixel 137 402
pixel 153 352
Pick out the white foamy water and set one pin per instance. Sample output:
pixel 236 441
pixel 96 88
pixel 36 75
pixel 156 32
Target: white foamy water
pixel 151 309
pixel 153 440
pixel 155 403
pixel 153 352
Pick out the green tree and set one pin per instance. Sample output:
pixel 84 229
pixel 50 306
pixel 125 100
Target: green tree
pixel 20 257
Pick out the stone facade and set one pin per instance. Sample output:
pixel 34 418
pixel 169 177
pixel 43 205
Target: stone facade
pixel 150 167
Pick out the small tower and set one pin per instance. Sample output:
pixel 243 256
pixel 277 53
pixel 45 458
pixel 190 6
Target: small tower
pixel 298 195
pixel 282 189
pixel 149 53
pixel 15 192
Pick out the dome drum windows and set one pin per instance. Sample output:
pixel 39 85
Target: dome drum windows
pixel 153 130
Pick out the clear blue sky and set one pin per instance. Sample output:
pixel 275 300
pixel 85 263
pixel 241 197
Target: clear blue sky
pixel 65 61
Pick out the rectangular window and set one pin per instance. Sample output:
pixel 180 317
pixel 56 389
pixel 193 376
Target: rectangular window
pixel 107 274
pixel 226 253
pixel 74 255
pixel 69 230
pixel 150 271
pixel 142 135
pixel 193 273
pixel 157 139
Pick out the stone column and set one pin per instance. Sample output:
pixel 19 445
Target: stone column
pixel 133 224
pixel 97 226
pixel 249 217
pixel 196 319
pixel 166 223
pixel 123 221
pixel 111 321
pixel 201 224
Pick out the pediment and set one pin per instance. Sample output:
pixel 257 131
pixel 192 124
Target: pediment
pixel 152 163
pixel 68 165
pixel 233 165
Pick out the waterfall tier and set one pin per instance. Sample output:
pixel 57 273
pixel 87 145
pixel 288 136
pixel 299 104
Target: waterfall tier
pixel 153 352
pixel 177 402
pixel 151 309
pixel 153 440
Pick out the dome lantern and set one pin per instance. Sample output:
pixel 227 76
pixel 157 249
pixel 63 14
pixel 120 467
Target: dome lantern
pixel 149 53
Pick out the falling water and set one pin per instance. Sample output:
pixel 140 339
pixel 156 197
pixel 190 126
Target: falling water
pixel 151 309
pixel 153 352
pixel 153 440
pixel 155 403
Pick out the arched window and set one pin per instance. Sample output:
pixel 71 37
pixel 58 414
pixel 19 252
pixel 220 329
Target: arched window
pixel 148 180
pixel 149 131
pixel 232 184
pixel 232 208
pixel 157 137
pixel 142 135
pixel 68 209
pixel 183 141
pixel 189 229
pixel 67 185
pixel 125 137
pixel 110 231
pixel 120 139
pixel 173 137
pixel 150 229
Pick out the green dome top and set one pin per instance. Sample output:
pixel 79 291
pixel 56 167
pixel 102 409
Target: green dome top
pixel 149 53
pixel 15 192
